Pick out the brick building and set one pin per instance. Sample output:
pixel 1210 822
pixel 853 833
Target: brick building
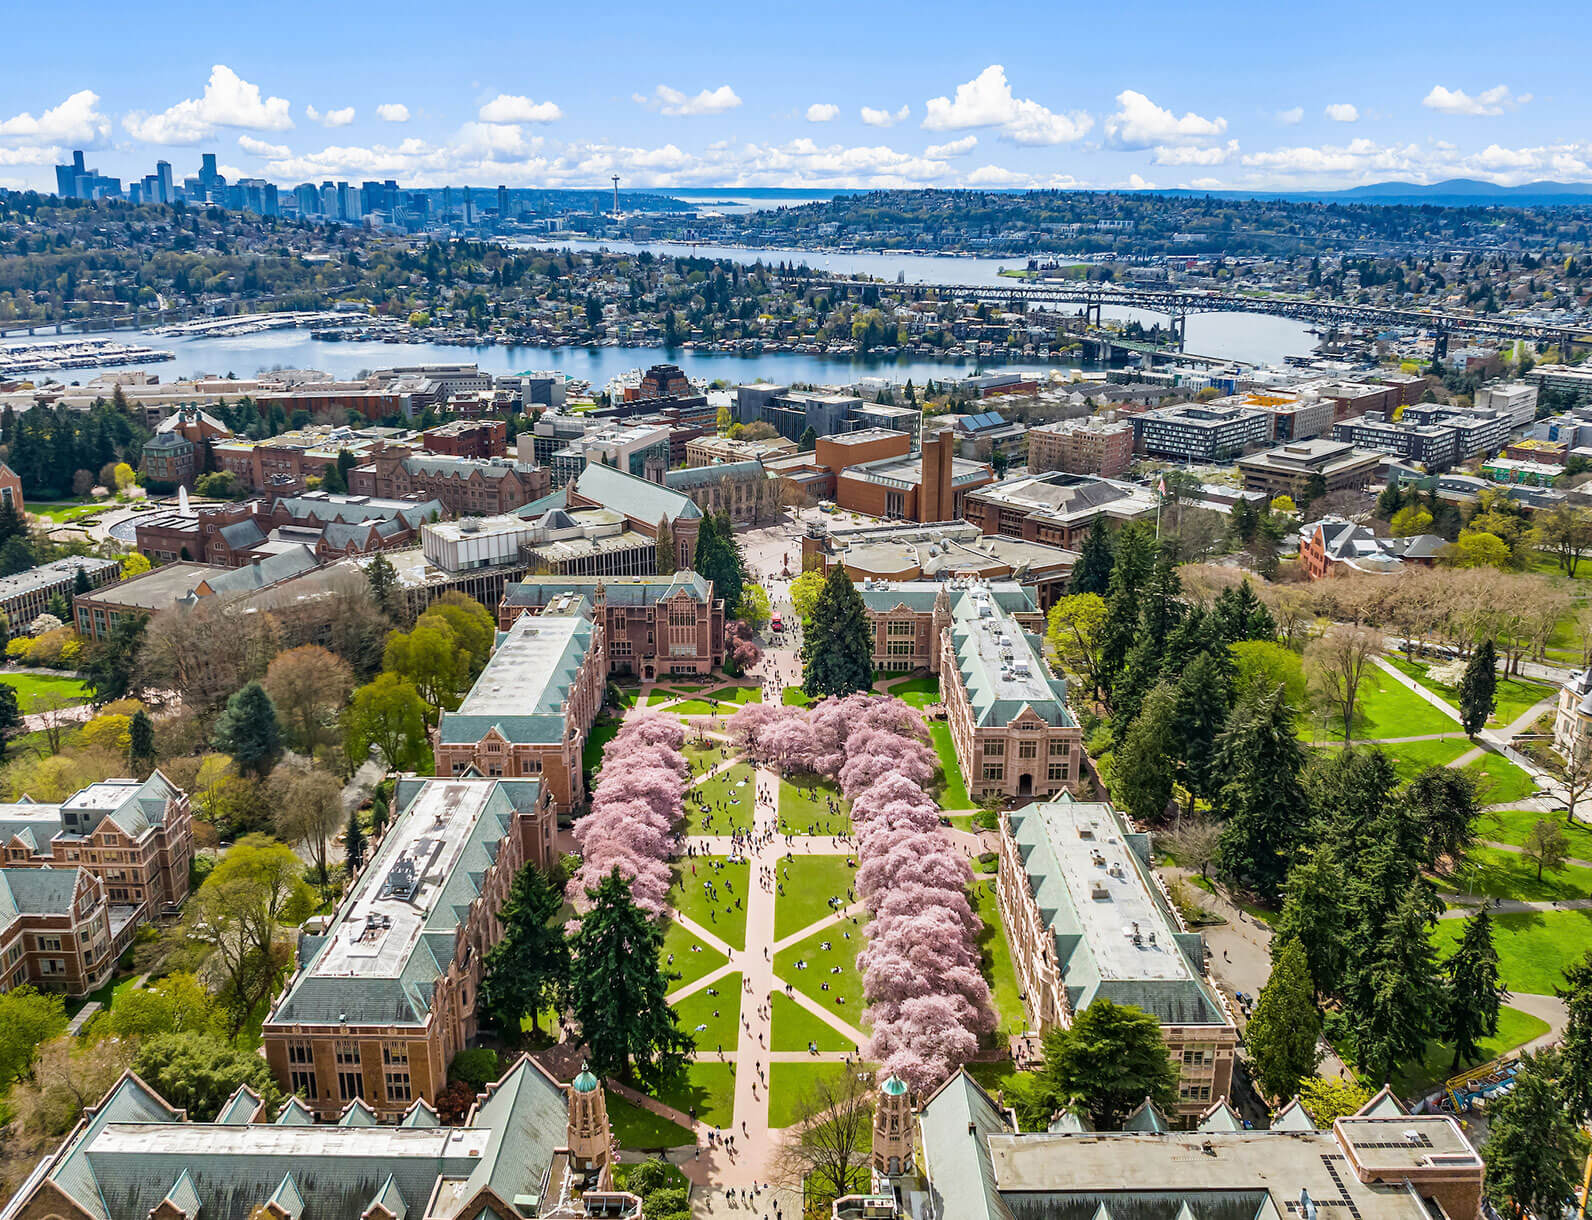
pixel 11 489
pixel 375 404
pixel 468 438
pixel 1082 446
pixel 1008 716
pixel 930 487
pixel 652 625
pixel 529 1149
pixel 332 526
pixel 1056 508
pixel 55 930
pixel 528 714
pixel 742 490
pixel 1088 918
pixel 1332 545
pixel 465 487
pixel 384 999
pixel 907 618
pixel 170 460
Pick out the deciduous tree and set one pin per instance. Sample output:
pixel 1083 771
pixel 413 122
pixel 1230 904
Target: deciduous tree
pixel 389 716
pixel 1336 665
pixel 309 686
pixel 199 1072
pixel 1110 1059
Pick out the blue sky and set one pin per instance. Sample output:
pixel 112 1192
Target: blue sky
pixel 813 94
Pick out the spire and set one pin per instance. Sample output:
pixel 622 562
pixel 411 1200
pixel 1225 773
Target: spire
pixel 588 1135
pixel 892 1129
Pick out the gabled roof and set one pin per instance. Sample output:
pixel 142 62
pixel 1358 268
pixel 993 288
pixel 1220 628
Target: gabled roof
pixel 1146 1117
pixel 637 499
pixel 241 1107
pixel 1292 1117
pixel 296 1114
pixel 955 1123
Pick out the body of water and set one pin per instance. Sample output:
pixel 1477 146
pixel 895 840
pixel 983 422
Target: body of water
pixel 1252 338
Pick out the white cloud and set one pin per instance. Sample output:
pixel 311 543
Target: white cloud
pixel 884 118
pixel 330 118
pixel 228 101
pixel 987 101
pixel 822 112
pixel 1342 112
pixel 955 148
pixel 1190 155
pixel 261 148
pixel 392 112
pixel 672 102
pixel 994 175
pixel 1140 123
pixel 76 121
pixel 511 108
pixel 1136 183
pixel 1291 116
pixel 1456 101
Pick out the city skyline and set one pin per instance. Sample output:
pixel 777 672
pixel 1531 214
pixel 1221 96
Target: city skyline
pixel 679 99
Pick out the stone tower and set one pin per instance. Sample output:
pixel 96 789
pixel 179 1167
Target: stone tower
pixel 892 1130
pixel 588 1136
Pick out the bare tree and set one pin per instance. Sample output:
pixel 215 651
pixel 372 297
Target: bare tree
pixel 1336 665
pixel 1577 773
pixel 206 652
pixel 1193 843
pixel 309 811
pixel 53 712
pixel 828 1145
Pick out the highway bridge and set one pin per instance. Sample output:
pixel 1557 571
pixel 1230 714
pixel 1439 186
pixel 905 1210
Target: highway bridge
pixel 1177 304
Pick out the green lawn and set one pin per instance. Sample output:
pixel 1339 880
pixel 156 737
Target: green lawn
pixel 720 702
pixel 844 997
pixel 800 814
pixel 731 883
pixel 1384 709
pixel 1534 947
pixel 735 789
pixel 1514 1029
pixel 1513 825
pixel 638 1128
pixel 1514 695
pixel 1496 873
pixel 692 959
pixel 62 511
pixel 591 757
pixel 995 1075
pixel 698 1009
pixel 954 794
pixel 919 692
pixel 807 884
pixel 795 1027
pixel 708 1088
pixel 1498 780
pixel 704 757
pixel 788 1085
pixel 31 686
pixel 795 696
pixel 997 966
pixel 107 993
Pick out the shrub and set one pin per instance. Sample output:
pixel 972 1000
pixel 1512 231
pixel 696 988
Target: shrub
pixel 477 1067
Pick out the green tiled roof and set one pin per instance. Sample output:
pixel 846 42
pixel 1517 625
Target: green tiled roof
pixel 637 499
pixel 617 590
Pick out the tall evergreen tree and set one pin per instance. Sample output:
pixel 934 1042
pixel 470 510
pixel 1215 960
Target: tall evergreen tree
pixel 354 843
pixel 1285 1027
pixel 1133 557
pixel 1262 803
pixel 384 589
pixel 1314 918
pixel 109 665
pixel 1443 801
pixel 1240 615
pixel 249 731
pixel 10 714
pixel 837 645
pixel 1143 768
pixel 718 558
pixel 1533 1149
pixel 528 970
pixel 1575 1046
pixel 1478 688
pixel 80 583
pixel 1204 694
pixel 1472 992
pixel 618 991
pixel 1092 573
pixel 1392 1018
pixel 141 742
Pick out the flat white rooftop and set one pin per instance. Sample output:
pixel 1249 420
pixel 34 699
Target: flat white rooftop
pixel 381 923
pixel 522 677
pixel 1125 927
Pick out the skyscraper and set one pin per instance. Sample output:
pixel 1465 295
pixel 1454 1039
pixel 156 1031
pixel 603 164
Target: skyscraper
pixel 163 173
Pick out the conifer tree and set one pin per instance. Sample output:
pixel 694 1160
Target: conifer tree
pixel 1472 992
pixel 837 645
pixel 248 730
pixel 1092 573
pixel 1533 1149
pixel 1143 767
pixel 528 970
pixel 1478 688
pixel 618 990
pixel 1575 1046
pixel 1398 994
pixel 1285 1026
pixel 666 562
pixel 141 742
pixel 1262 803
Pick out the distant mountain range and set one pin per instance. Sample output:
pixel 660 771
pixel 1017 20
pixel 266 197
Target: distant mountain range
pixel 1467 189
